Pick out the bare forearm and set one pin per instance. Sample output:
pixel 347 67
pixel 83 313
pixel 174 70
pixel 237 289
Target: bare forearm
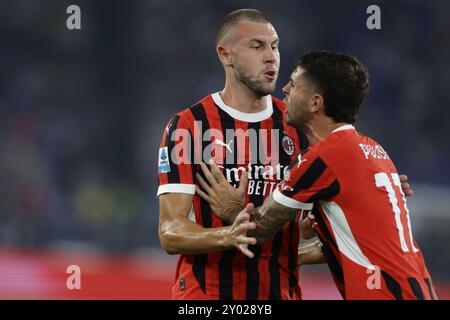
pixel 311 254
pixel 269 218
pixel 189 238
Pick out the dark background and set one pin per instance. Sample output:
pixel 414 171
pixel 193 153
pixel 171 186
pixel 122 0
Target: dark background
pixel 82 112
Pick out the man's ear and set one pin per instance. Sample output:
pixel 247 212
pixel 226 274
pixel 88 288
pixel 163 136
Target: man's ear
pixel 317 102
pixel 224 55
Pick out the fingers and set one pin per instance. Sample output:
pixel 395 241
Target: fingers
pixel 241 225
pixel 243 183
pixel 246 240
pixel 407 189
pixel 244 249
pixel 241 217
pixel 405 185
pixel 249 208
pixel 211 180
pixel 203 195
pixel 204 185
pixel 244 214
pixel 217 174
pixel 244 227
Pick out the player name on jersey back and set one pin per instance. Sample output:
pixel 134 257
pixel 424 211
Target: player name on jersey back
pixel 374 151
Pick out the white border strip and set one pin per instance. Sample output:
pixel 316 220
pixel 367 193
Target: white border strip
pixel 176 188
pixel 343 233
pixel 243 116
pixel 344 127
pixel 289 202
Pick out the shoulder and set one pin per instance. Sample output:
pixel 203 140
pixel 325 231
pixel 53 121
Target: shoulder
pixel 187 115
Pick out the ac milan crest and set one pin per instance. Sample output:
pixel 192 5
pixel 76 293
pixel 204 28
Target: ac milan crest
pixel 288 145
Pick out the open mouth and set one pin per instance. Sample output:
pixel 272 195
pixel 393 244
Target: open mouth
pixel 271 75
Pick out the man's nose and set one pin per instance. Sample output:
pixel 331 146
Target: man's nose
pixel 269 55
pixel 286 90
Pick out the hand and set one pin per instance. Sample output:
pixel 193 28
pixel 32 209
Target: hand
pixel 224 200
pixel 238 231
pixel 310 254
pixel 306 229
pixel 405 185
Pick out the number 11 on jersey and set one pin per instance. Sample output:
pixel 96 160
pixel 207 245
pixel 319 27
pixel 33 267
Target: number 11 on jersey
pixel 382 181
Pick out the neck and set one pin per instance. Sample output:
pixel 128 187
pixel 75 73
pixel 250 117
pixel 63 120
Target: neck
pixel 318 129
pixel 238 96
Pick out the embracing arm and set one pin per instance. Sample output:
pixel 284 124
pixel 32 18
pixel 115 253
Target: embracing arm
pixel 270 218
pixel 179 235
pixel 311 254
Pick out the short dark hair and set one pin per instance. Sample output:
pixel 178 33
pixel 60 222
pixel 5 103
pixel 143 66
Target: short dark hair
pixel 236 16
pixel 341 79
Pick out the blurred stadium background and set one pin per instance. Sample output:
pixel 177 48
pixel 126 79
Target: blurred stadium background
pixel 82 113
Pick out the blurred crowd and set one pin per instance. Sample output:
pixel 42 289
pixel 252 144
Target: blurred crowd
pixel 82 112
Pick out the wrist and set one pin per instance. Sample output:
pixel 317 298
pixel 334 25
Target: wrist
pixel 230 211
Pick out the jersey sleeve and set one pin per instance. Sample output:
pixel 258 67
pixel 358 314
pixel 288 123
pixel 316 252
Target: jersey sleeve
pixel 308 181
pixel 176 168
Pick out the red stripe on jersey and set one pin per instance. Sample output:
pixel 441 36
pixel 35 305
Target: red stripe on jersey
pixel 186 172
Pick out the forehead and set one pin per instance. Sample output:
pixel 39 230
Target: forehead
pixel 248 30
pixel 297 74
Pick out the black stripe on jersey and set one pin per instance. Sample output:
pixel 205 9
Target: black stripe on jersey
pixel 277 118
pixel 198 269
pixel 293 252
pixel 392 285
pixel 226 259
pixel 310 176
pixel 226 275
pixel 173 175
pixel 430 289
pixel 200 261
pixel 274 268
pixel 328 192
pixel 199 113
pixel 303 141
pixel 417 290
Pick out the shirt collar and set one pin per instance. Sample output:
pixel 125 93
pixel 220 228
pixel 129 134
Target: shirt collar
pixel 344 127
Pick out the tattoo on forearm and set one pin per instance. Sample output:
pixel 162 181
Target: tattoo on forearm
pixel 269 220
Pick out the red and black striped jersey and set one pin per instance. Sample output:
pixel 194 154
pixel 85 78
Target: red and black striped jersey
pixel 360 214
pixel 263 145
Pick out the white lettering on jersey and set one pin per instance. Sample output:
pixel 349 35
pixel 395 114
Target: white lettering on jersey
pixel 376 151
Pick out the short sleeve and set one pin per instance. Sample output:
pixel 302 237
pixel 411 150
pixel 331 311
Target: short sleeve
pixel 176 169
pixel 308 180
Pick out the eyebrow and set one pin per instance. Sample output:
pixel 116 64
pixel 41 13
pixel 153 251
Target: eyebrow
pixel 263 42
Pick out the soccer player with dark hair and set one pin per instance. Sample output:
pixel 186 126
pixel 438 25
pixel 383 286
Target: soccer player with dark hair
pixel 348 180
